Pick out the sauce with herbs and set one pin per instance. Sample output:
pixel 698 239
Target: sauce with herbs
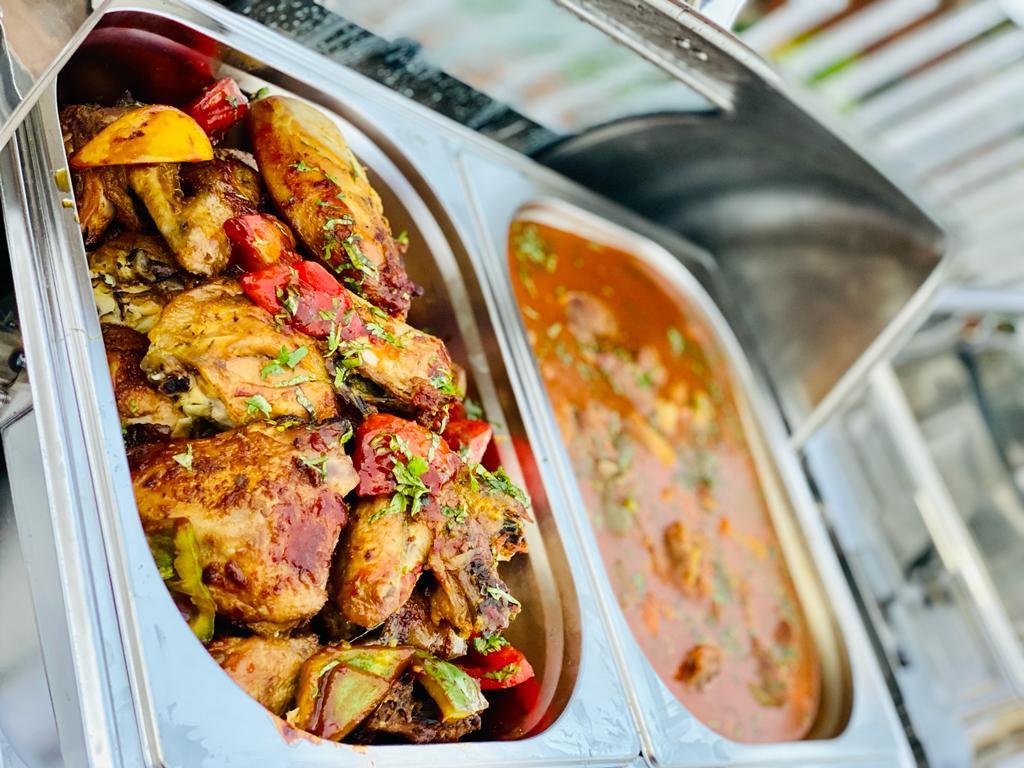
pixel 644 405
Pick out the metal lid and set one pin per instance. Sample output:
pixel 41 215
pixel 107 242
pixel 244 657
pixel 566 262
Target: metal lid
pixel 825 262
pixel 36 38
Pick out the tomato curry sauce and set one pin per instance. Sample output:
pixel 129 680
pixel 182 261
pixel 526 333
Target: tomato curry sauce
pixel 643 400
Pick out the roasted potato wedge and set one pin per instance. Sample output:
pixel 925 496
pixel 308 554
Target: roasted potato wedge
pixel 153 134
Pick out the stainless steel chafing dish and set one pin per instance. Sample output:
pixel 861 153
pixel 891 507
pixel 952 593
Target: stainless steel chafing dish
pixel 764 225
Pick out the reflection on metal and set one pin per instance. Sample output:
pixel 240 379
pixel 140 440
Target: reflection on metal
pixel 934 84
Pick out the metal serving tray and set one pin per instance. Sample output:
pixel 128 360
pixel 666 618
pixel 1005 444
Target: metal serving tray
pixel 129 683
pixel 857 723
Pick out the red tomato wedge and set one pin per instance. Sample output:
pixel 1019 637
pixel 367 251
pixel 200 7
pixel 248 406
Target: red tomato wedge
pixel 308 297
pixel 383 439
pixel 469 437
pixel 219 107
pixel 260 240
pixel 503 667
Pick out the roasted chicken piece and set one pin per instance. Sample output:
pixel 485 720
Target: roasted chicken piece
pixel 412 625
pixel 226 360
pixel 381 561
pixel 189 203
pixel 267 668
pixel 146 414
pixel 483 516
pixel 700 666
pixel 324 193
pixel 101 193
pixel 133 277
pixel 687 567
pixel 267 506
pixel 412 368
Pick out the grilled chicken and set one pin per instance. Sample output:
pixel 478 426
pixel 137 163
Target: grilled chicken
pixel 266 668
pixel 412 368
pixel 141 407
pixel 190 202
pixel 133 277
pixel 322 190
pixel 266 504
pixel 381 561
pixel 470 595
pixel 412 625
pixel 101 193
pixel 227 361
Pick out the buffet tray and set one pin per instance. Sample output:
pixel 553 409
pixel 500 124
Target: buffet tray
pixel 130 684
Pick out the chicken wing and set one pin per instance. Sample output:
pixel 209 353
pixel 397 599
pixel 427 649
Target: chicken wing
pixel 101 193
pixel 133 277
pixel 322 190
pixel 267 668
pixel 412 625
pixel 484 515
pixel 140 406
pixel 267 507
pixel 189 203
pixel 226 360
pixel 381 562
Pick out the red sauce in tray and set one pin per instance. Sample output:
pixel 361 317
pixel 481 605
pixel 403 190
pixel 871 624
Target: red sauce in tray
pixel 644 404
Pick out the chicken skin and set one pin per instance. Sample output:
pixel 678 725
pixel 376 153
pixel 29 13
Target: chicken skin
pixel 267 507
pixel 139 404
pixel 190 202
pixel 267 668
pixel 227 361
pixel 322 190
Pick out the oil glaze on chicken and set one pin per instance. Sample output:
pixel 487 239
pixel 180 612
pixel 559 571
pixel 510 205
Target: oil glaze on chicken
pixel 326 517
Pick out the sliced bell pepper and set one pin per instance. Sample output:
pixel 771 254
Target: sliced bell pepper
pixel 259 240
pixel 154 134
pixel 308 298
pixel 339 686
pixel 456 693
pixel 176 553
pixel 384 441
pixel 469 437
pixel 496 664
pixel 219 107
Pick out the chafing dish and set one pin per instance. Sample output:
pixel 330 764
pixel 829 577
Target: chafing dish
pixel 128 685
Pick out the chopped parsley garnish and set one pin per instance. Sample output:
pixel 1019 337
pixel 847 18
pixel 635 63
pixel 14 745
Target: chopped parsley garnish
pixel 490 644
pixel 500 481
pixel 257 404
pixel 303 167
pixel 676 341
pixel 264 91
pixel 531 248
pixel 380 332
pixel 319 465
pixel 509 670
pixel 499 594
pixel 185 459
pixel 456 516
pixel 284 358
pixel 444 383
pixel 346 436
pixel 403 238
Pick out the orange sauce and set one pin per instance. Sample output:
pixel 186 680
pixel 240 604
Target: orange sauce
pixel 645 408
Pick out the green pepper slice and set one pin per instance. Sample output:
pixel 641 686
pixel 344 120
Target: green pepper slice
pixel 176 554
pixel 456 693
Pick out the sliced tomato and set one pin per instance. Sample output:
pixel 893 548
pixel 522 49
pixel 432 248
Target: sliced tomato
pixel 219 107
pixel 469 437
pixel 308 298
pixel 503 667
pixel 376 453
pixel 260 240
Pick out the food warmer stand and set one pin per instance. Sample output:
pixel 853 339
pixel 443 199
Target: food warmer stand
pixel 817 261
